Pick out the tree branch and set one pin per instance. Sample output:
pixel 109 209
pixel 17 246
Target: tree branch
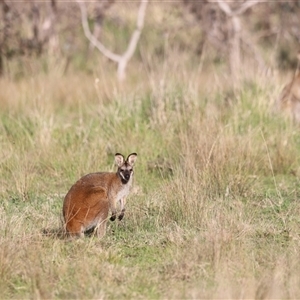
pixel 229 12
pixel 245 6
pixel 133 40
pixel 139 27
pixel 122 60
pixel 84 20
pixel 225 7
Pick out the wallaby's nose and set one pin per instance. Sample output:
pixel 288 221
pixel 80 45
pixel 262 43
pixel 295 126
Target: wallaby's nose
pixel 127 176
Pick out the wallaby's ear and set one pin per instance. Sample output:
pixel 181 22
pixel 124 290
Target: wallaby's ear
pixel 132 158
pixel 119 159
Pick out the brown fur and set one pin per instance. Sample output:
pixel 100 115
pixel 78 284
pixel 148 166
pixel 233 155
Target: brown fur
pixel 89 200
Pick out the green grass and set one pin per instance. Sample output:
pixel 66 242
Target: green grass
pixel 214 212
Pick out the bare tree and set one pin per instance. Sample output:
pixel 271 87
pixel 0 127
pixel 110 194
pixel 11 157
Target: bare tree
pixel 213 23
pixel 121 60
pixel 222 27
pixel 100 10
pixel 235 33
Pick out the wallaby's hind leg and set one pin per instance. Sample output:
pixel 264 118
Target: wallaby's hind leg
pixel 101 226
pixel 74 229
pixel 101 230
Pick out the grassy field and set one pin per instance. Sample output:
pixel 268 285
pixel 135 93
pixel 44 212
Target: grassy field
pixel 214 212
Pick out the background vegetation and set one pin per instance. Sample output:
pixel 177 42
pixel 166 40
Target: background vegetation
pixel 214 212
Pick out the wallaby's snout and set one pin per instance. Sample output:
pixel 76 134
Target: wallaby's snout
pixel 89 200
pixel 127 175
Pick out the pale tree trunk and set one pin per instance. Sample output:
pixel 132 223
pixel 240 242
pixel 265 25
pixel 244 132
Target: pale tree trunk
pixel 100 10
pixel 121 60
pixel 235 35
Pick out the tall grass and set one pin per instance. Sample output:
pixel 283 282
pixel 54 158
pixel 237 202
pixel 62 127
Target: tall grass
pixel 214 212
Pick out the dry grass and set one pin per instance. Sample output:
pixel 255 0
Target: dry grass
pixel 214 212
pixel 215 216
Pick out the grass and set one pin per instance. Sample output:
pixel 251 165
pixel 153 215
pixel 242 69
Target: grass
pixel 214 212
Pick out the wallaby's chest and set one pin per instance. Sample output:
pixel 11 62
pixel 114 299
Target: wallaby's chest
pixel 124 191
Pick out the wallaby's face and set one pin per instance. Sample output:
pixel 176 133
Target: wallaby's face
pixel 125 167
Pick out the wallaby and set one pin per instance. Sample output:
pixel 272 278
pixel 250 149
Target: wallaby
pixel 87 204
pixel 289 99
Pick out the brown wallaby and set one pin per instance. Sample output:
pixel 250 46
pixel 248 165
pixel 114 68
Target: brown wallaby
pixel 289 99
pixel 87 204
